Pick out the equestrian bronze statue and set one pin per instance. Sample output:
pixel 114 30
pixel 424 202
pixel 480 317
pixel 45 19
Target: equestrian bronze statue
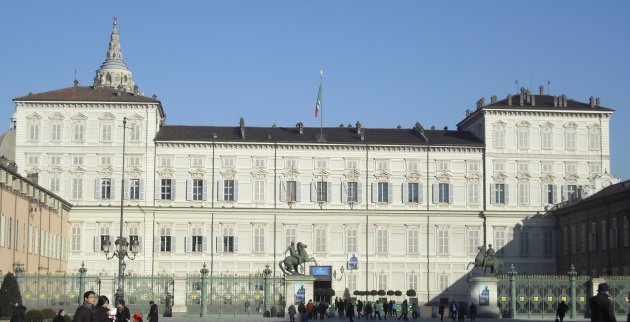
pixel 485 258
pixel 295 259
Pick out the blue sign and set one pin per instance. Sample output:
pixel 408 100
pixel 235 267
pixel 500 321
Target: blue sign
pixel 320 270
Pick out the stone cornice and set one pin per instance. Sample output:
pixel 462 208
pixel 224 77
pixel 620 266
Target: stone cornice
pixel 543 113
pixel 83 105
pixel 532 156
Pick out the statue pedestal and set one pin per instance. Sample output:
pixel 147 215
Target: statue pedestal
pixel 298 288
pixel 483 293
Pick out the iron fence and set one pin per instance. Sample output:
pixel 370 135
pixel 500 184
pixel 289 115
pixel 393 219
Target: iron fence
pixel 140 289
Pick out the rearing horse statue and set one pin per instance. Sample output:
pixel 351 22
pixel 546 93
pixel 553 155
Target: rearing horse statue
pixel 290 264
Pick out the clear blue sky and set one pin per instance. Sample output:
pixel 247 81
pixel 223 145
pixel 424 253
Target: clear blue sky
pixel 385 62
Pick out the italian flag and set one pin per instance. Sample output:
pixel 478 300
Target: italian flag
pixel 318 104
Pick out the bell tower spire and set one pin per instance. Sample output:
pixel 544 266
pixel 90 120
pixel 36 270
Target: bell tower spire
pixel 114 72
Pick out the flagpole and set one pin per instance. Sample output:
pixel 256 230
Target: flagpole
pixel 321 120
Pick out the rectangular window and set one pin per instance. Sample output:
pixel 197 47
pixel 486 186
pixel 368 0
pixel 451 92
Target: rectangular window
pixel 571 192
pixel 259 190
pixel 381 282
pixel 413 165
pixel 166 160
pixel 523 193
pixel 290 235
pixel 382 192
pixel 134 160
pixel 382 165
pixel 165 239
pixel 77 188
pixel 593 237
pixel 33 131
pixel 546 140
pixel 473 240
pixel 321 190
pixel 413 195
pixel 134 189
pixel 522 139
pixel 54 184
pixel 604 234
pixel 413 241
pixel 104 238
pixel 105 160
pixel 32 160
pixel 106 132
pixel 594 139
pixel 443 241
pixel 259 239
pixel 352 281
pixel 321 164
pixel 77 160
pixel 290 163
pixel 352 164
pixel 546 167
pixel 196 161
pixel 472 166
pixel 381 240
pixel 135 132
pixel 499 240
pixel 352 237
pixel 583 240
pixel 444 193
pixel 499 194
pixel 523 167
pixel 473 193
pixel 570 140
pixel 570 168
pixel 551 194
pixel 524 241
pixel 499 166
pixel 260 163
pixel 55 160
pixel 443 166
pixel 499 139
pixel 228 190
pixel 166 189
pixel 133 234
pixel 76 238
pixel 228 162
pixel 353 192
pixel 412 282
pixel 105 188
pixel 320 239
pixel 229 241
pixel 78 132
pixel 594 168
pixel 197 189
pixel 291 191
pixel 197 239
pixel 55 132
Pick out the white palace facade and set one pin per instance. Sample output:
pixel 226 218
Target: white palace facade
pixel 414 204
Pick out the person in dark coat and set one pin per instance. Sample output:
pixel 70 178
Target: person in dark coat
pixel 562 310
pixel 601 305
pixel 60 317
pixel 472 312
pixel 291 313
pixel 19 313
pixel 153 312
pixel 302 311
pixel 441 312
pixel 122 312
pixel 101 311
pixel 350 311
pixel 85 312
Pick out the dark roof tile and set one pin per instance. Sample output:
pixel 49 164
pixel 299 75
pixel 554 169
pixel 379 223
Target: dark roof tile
pixel 87 93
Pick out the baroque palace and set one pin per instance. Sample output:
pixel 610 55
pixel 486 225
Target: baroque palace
pixel 411 204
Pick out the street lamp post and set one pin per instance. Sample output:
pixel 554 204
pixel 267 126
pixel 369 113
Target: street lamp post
pixel 266 273
pixel 572 274
pixel 121 243
pixel 512 273
pixel 204 290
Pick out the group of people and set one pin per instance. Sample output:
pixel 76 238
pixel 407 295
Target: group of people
pixel 459 311
pixel 345 308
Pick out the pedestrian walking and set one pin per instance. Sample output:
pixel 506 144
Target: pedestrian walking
pixel 472 312
pixel 350 311
pixel 562 310
pixel 85 311
pixel 359 309
pixel 291 313
pixel 19 313
pixel 377 309
pixel 404 309
pixel 441 312
pixel 415 311
pixel 153 312
pixel 453 310
pixel 302 311
pixel 385 309
pixel 601 305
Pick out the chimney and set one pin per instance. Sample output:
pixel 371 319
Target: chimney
pixel 445 128
pixel 521 98
pixel 493 99
pixel 509 98
pixel 418 127
pixel 533 99
pixel 242 124
pixel 563 99
pixel 300 127
pixel 555 101
pixel 541 90
pixel 597 102
pixel 591 101
pixel 363 136
pixel 359 129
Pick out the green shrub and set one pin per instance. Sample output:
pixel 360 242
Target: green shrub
pixel 390 293
pixel 9 294
pixel 381 293
pixel 34 316
pixel 411 293
pixel 398 293
pixel 49 313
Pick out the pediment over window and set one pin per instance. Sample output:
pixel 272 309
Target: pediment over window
pixel 499 177
pixel 352 175
pixel 548 178
pixel 229 173
pixel 165 173
pixel 259 174
pixel 105 171
pixel 571 178
pixel 547 126
pixel 56 116
pixel 79 117
pixel 134 172
pixel 473 177
pixel 34 116
pixel 32 170
pixel 523 124
pixel 106 117
pixel 321 174
pixel 55 170
pixel 523 177
pixel 382 175
pixel 197 173
pixel 291 173
pixel 77 170
pixel 443 177
pixel 135 117
pixel 593 126
pixel 570 125
pixel 413 176
pixel 499 125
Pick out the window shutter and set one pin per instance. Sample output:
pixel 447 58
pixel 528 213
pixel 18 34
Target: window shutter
pixel 158 186
pixel 374 192
pixel 283 190
pixel 493 195
pixel 204 187
pixel 173 249
pixel 140 189
pixel 359 192
pixel 507 193
pixel 405 192
pixel 204 244
pixel 189 189
pixel 126 189
pixel 140 245
pixel 97 243
pixel 219 243
pixel 113 190
pixel 390 192
pixel 436 193
pixel 220 196
pixel 235 190
pixel 235 244
pixel 298 191
pixel 156 244
pixel 188 243
pixel 344 192
pixel 554 194
pixel 328 191
pixel 420 193
pixel 173 188
pixel 565 193
pixel 450 193
pixel 313 192
pixel 97 188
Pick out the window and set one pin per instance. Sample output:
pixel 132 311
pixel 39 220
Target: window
pixel 442 193
pixel 197 189
pixel 259 190
pixel 55 160
pixel 443 281
pixel 613 233
pixel 290 233
pixel 197 240
pixel 166 240
pixel 166 189
pixel 290 163
pixel 228 162
pixel 134 160
pixel 78 131
pixel 166 160
pixel 413 240
pixel 196 161
pixel 381 282
pixel 412 282
pixel 551 193
pixel 523 167
pixel 351 192
pixel 229 241
pixel 320 239
pixel 594 140
pixel 321 191
pixel 442 166
pixel 594 168
pixel 626 232
pixel 103 237
pixel 290 191
pixel 55 131
pixel 33 130
pixel 570 168
pixel 499 240
pixel 260 163
pixel 413 165
pixel 133 234
pixel 524 243
pixel 523 193
pixel 499 193
pixel 229 190
pixel 77 188
pixel 381 240
pixel 54 184
pixel 352 281
pixel 106 132
pixel 77 160
pixel 593 237
pixel 473 240
pixel 352 164
pixel 472 166
pixel 546 167
pixel 135 132
pixel 105 187
pixel 583 240
pixel 412 192
pixel 603 235
pixel 443 241
pixel 499 166
pixel 570 139
pixel 473 193
pixel 259 239
pixel 382 165
pixel 522 138
pixel 499 138
pixel 352 237
pixel 76 238
pixel 32 160
pixel 548 243
pixel 321 164
pixel 105 160
pixel 570 192
pixel 381 192
pixel 546 139
pixel 134 189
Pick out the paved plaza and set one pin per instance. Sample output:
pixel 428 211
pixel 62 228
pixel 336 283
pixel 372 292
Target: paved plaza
pixel 261 319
